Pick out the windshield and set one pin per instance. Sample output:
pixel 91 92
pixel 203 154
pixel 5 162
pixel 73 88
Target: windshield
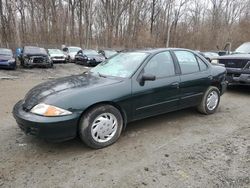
pixel 121 65
pixel 5 52
pixel 90 52
pixel 34 50
pixel 110 53
pixel 55 51
pixel 74 49
pixel 244 48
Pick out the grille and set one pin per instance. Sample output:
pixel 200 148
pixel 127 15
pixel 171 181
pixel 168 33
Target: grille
pixel 234 63
pixel 59 57
pixel 39 60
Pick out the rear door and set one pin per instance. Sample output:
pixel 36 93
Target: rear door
pixel 195 77
pixel 162 94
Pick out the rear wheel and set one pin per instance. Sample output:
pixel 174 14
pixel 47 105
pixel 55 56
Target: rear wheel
pixel 210 101
pixel 101 126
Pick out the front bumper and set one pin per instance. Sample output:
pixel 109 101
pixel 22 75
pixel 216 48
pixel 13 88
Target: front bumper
pixel 31 64
pixel 238 79
pixel 238 76
pixel 56 60
pixel 8 65
pixel 49 128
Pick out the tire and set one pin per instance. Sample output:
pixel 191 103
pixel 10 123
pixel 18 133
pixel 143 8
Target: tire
pixel 103 118
pixel 50 65
pixel 203 107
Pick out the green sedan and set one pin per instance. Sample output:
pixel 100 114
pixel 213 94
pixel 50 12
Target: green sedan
pixel 132 85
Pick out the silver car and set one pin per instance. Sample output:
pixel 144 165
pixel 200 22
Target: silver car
pixel 57 56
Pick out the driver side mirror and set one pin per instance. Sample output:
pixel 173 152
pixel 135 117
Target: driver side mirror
pixel 146 77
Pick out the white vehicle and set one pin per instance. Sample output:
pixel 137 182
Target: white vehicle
pixel 70 52
pixel 57 56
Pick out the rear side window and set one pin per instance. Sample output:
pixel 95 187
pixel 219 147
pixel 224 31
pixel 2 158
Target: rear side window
pixel 187 61
pixel 203 66
pixel 161 65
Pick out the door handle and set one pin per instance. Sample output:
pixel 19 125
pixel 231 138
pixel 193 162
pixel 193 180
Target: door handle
pixel 175 85
pixel 210 77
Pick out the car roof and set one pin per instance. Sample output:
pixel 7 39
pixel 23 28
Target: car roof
pixel 5 49
pixel 37 47
pixel 153 50
pixel 54 49
pixel 89 50
pixel 73 47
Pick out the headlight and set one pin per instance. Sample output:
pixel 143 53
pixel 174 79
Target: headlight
pixel 215 61
pixel 11 60
pixel 89 58
pixel 49 110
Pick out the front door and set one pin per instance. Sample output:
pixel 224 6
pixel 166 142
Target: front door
pixel 158 96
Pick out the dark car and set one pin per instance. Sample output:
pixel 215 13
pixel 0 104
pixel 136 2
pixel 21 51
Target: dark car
pixel 88 57
pixel 107 53
pixel 32 56
pixel 7 59
pixel 237 65
pixel 130 86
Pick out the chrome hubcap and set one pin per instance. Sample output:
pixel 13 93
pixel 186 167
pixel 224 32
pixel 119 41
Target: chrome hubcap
pixel 212 100
pixel 104 127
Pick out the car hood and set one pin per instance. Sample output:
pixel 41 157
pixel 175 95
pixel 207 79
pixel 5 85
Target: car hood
pixel 44 90
pixel 97 57
pixel 72 53
pixel 56 55
pixel 5 58
pixel 234 56
pixel 35 55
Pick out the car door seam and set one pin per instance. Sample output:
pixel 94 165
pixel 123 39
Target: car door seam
pixel 151 105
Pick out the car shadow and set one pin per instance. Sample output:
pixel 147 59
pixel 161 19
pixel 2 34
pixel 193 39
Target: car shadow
pixel 239 89
pixel 153 122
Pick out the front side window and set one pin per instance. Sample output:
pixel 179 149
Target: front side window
pixel 161 65
pixel 187 61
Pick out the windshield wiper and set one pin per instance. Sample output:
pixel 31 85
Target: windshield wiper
pixel 101 75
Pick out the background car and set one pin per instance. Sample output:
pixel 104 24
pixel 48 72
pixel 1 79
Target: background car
pixel 209 55
pixel 71 52
pixel 237 65
pixel 89 57
pixel 7 59
pixel 33 56
pixel 57 55
pixel 107 53
pixel 129 86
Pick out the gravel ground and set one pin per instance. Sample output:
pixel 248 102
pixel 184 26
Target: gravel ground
pixel 180 149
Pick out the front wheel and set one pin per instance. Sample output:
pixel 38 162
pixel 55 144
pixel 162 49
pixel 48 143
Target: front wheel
pixel 101 126
pixel 210 101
